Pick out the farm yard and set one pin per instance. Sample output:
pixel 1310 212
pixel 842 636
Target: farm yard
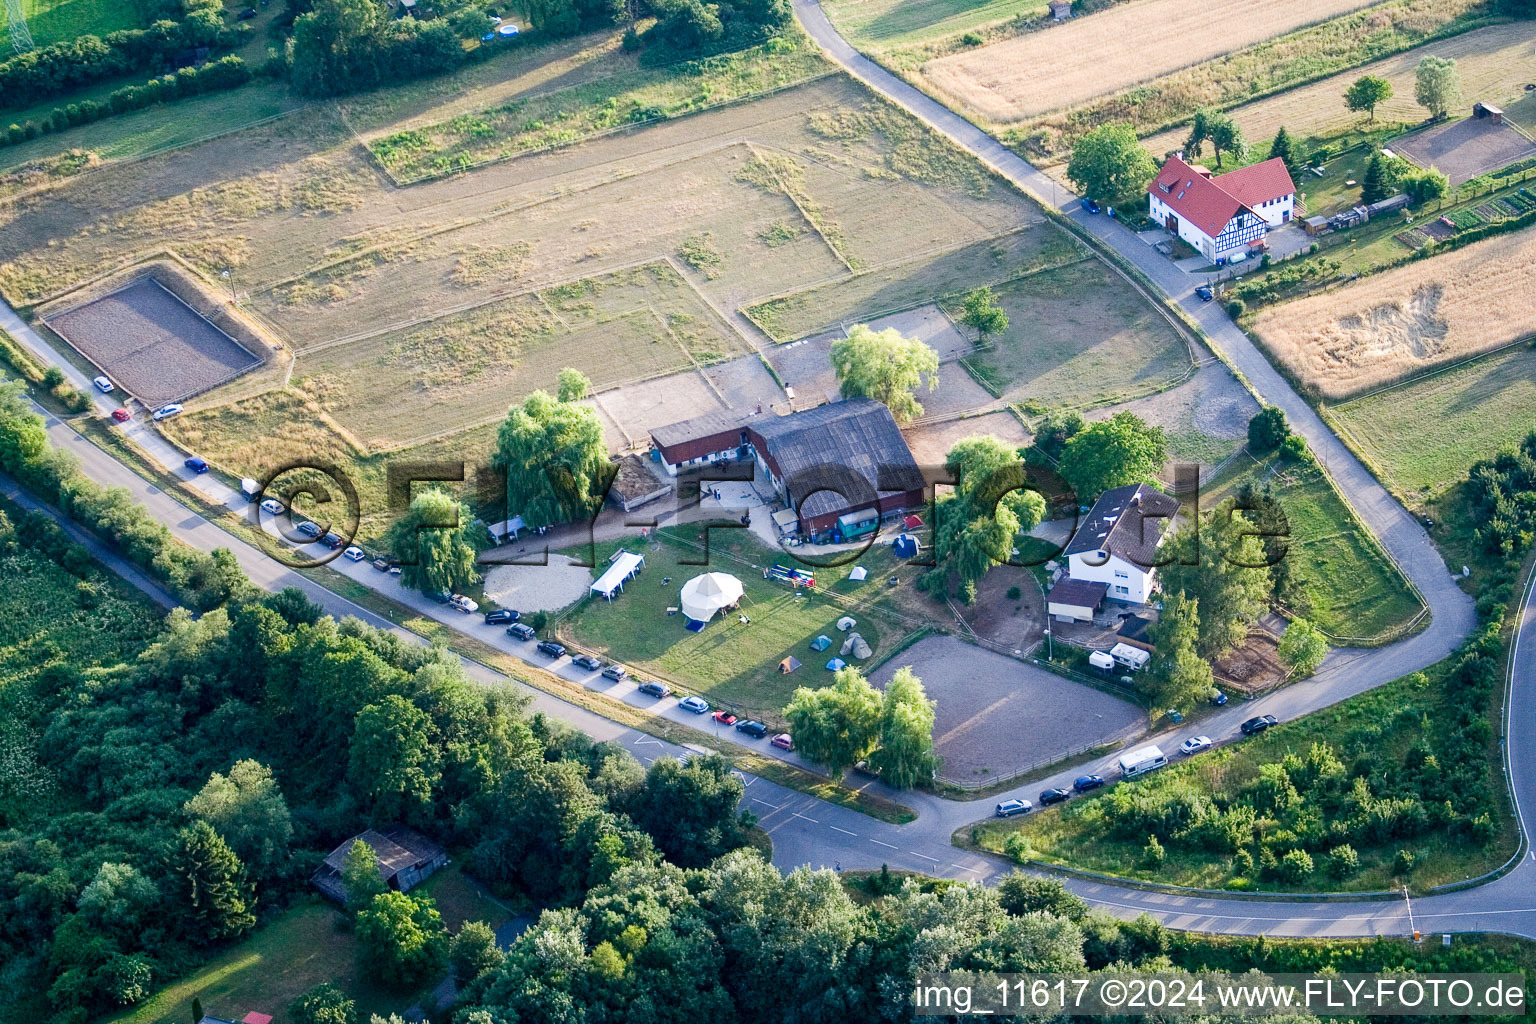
pixel 1493 63
pixel 1069 64
pixel 1407 319
pixel 1423 435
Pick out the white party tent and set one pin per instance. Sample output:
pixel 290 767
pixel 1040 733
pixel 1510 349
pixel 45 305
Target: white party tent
pixel 705 595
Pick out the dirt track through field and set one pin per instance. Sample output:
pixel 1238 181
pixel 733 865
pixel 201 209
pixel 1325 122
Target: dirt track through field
pixel 1068 64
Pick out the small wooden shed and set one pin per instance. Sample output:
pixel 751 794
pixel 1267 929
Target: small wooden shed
pixel 1061 10
pixel 1488 110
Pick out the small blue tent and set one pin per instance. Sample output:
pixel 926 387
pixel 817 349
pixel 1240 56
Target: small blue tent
pixel 821 643
pixel 835 664
pixel 906 545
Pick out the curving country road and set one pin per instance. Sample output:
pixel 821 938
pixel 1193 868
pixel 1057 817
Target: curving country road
pixel 807 831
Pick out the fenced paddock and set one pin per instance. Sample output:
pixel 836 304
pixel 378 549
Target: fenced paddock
pixel 1467 148
pixel 152 344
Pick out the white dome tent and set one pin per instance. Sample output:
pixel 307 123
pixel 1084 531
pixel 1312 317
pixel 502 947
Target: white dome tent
pixel 705 595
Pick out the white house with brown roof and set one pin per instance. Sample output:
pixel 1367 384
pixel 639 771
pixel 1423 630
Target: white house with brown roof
pixel 1117 543
pixel 1224 214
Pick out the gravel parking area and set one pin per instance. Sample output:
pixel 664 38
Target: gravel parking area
pixel 538 588
pixel 997 715
pixel 152 344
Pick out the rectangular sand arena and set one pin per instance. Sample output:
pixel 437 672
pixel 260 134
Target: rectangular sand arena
pixel 152 344
pixel 1466 148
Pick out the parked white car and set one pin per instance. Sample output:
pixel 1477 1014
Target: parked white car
pixel 354 554
pixel 464 604
pixel 165 412
pixel 272 506
pixel 103 385
pixel 1194 745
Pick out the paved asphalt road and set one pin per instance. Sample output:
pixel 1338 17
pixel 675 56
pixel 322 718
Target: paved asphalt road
pixel 809 832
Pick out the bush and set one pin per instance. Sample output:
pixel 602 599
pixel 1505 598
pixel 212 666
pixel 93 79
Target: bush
pixel 1294 447
pixel 1153 855
pixel 1242 864
pixel 1343 861
pixel 1402 864
pixel 53 377
pixel 1014 593
pixel 1267 430
pixel 971 39
pixel 1236 308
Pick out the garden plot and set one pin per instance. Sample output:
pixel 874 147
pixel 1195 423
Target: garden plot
pixel 1422 314
pixel 152 344
pixel 1493 62
pixel 1068 64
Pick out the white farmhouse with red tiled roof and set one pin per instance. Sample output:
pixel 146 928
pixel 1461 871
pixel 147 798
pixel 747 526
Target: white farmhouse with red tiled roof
pixel 1225 214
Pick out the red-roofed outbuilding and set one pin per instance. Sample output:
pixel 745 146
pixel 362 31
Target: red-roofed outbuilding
pixel 1224 214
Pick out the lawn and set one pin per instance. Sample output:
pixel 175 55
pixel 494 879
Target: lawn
pixel 55 21
pixel 301 948
pixel 1351 588
pixel 730 663
pixel 1376 729
pixel 1422 436
pixel 1078 336
pixel 903 285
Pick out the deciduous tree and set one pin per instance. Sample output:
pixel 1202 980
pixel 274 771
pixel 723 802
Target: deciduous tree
pixel 323 1004
pixel 1221 565
pixel 1110 164
pixel 885 366
pixel 1180 678
pixel 402 939
pixel 394 763
pixel 1112 453
pixel 905 755
pixel 976 524
pixel 983 315
pixel 574 385
pixel 555 459
pixel 1303 647
pixel 1437 85
pixel 437 543
pixel 247 809
pixel 360 877
pixel 838 725
pixel 1365 93
pixel 1226 136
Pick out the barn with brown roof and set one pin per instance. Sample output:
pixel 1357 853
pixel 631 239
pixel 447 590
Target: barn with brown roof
pixel 405 857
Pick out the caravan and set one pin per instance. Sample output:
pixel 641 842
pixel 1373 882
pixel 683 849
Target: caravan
pixel 1139 762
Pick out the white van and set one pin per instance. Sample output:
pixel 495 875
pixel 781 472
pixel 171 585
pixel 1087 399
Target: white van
pixel 1139 762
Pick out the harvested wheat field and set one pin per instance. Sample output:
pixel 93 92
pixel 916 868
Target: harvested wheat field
pixel 1386 327
pixel 1494 64
pixel 1069 64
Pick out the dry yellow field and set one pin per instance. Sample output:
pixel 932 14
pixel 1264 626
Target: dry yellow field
pixel 1494 64
pixel 1071 63
pixel 1388 326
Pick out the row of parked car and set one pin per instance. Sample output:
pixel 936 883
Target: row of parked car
pixel 1084 783
pixel 651 688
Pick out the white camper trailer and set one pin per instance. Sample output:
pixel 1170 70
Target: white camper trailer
pixel 1139 762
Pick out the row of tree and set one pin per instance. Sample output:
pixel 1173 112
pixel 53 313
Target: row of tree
pixel 51 70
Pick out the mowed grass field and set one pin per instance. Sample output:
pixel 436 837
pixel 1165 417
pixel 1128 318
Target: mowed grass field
pixel 1407 319
pixel 1493 62
pixel 734 664
pixel 1008 81
pixel 1422 436
pixel 1076 336
pixel 1352 588
pixel 55 21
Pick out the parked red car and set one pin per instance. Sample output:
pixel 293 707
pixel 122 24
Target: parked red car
pixel 121 415
pixel 725 717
